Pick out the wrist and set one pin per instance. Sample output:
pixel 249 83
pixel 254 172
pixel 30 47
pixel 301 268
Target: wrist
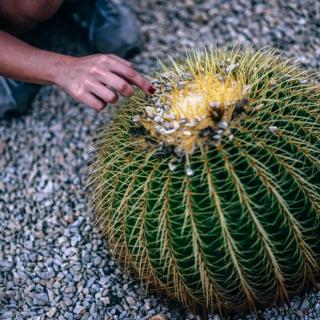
pixel 57 69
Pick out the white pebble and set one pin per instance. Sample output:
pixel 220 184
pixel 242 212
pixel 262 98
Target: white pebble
pixel 172 166
pixel 160 111
pixel 157 119
pixel 136 118
pixel 158 103
pixel 150 112
pixel 258 107
pixel 166 125
pixel 223 125
pixel 273 129
pixel 176 124
pixel 189 172
pixel 160 129
pixel 231 67
pixel 165 107
pixel 169 131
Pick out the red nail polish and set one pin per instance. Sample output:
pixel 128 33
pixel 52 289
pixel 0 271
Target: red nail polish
pixel 151 90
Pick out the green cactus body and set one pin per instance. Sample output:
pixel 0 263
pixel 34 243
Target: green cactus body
pixel 226 223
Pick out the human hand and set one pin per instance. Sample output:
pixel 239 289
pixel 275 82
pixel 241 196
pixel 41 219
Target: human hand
pixel 97 80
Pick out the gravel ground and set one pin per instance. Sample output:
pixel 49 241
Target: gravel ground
pixel 54 264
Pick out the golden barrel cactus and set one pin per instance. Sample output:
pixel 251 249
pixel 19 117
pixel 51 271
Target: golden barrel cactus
pixel 209 189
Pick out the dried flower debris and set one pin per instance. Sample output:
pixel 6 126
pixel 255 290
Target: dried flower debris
pixel 181 116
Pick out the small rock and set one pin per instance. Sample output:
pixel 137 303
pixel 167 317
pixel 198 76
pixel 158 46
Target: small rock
pixel 273 129
pixel 51 312
pixel 41 299
pixel 79 309
pixel 189 172
pixel 105 300
pixel 231 67
pixel 136 118
pixel 130 300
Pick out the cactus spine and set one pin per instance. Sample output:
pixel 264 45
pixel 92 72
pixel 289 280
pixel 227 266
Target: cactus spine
pixel 210 189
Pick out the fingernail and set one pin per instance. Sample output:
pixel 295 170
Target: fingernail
pixel 151 89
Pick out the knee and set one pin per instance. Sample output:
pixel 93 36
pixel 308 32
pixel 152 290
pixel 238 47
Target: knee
pixel 22 15
pixel 41 10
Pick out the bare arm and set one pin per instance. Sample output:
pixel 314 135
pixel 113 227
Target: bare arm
pixel 94 80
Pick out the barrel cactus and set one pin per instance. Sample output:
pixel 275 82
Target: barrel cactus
pixel 209 189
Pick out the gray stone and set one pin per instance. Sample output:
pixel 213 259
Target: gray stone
pixel 41 299
pixel 79 309
pixel 51 312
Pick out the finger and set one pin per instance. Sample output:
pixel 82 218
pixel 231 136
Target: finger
pixel 93 101
pixel 132 77
pixel 103 93
pixel 119 59
pixel 118 84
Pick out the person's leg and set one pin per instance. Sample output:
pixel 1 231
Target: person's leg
pixel 17 17
pixel 110 24
pixel 15 97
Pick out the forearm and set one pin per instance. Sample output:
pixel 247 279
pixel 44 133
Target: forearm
pixel 94 80
pixel 20 61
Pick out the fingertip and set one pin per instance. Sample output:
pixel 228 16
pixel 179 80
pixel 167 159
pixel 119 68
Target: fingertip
pixel 151 89
pixel 101 107
pixel 114 99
